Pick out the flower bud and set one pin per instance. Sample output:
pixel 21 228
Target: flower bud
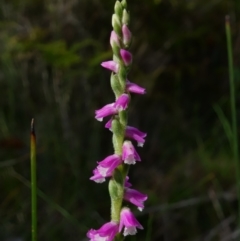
pixel 126 57
pixel 110 65
pixel 114 39
pixel 124 3
pixel 114 42
pixel 116 24
pixel 116 86
pixel 125 17
pixel 127 35
pixel 118 9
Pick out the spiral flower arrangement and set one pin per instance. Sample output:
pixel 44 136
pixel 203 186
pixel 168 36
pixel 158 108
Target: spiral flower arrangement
pixel 116 165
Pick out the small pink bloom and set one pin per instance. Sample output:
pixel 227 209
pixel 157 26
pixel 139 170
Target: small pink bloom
pixel 114 39
pixel 106 233
pixel 135 197
pixel 106 110
pixel 134 88
pixel 135 134
pixel 129 222
pixel 126 57
pixel 111 65
pixel 122 102
pixel 127 35
pixel 107 166
pixel 97 177
pixel 129 154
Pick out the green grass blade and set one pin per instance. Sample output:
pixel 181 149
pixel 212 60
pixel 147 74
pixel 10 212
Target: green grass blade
pixel 33 181
pixel 225 123
pixel 149 228
pixel 233 109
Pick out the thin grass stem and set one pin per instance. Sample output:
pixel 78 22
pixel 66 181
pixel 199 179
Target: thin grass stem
pixel 33 181
pixel 233 110
pixel 149 228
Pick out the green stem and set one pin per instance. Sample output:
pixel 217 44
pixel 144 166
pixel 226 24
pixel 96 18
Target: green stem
pixel 33 181
pixel 233 110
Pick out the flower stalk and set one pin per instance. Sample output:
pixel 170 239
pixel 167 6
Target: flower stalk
pixel 116 166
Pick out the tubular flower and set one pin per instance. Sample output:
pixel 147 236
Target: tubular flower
pixel 135 197
pixel 106 233
pixel 110 65
pixel 129 222
pixel 135 134
pixel 134 88
pixel 114 39
pixel 129 154
pixel 122 102
pixel 97 177
pixel 107 166
pixel 113 108
pixel 106 110
pixel 127 35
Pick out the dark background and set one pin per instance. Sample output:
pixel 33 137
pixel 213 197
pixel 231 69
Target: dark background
pixel 50 55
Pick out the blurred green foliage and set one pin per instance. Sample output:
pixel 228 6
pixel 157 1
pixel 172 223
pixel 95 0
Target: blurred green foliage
pixel 50 55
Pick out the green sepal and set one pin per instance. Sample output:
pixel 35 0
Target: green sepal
pixel 124 3
pixel 118 175
pixel 116 50
pixel 122 75
pixel 125 171
pixel 123 117
pixel 118 9
pixel 116 193
pixel 115 186
pixel 116 86
pixel 118 136
pixel 128 68
pixel 125 17
pixel 116 24
pixel 115 58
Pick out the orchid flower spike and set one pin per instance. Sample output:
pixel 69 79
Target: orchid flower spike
pixel 114 166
